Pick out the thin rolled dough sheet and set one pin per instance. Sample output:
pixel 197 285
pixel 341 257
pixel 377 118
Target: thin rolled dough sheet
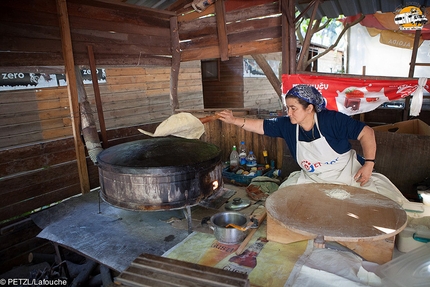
pixel 183 125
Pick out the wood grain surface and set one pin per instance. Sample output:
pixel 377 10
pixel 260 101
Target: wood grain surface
pixel 337 212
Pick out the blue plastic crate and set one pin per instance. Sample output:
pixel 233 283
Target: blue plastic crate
pixel 241 180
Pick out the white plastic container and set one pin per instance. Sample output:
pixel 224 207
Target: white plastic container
pixel 409 269
pixel 417 229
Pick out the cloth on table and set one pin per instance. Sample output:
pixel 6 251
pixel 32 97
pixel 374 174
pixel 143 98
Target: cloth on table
pixel 261 187
pixel 327 267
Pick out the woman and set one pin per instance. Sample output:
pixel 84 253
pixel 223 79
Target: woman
pixel 319 141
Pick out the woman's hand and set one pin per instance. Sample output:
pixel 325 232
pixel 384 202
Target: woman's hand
pixel 363 174
pixel 226 116
pixel 248 124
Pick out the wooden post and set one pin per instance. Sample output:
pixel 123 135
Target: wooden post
pixel 69 64
pixel 97 96
pixel 222 30
pixel 176 63
pixel 412 71
pixel 285 64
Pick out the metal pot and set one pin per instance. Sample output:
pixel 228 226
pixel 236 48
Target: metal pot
pixel 230 235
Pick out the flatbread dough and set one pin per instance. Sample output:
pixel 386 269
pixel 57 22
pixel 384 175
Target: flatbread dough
pixel 183 125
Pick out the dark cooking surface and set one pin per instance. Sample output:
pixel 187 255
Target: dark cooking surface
pixel 159 173
pixel 159 153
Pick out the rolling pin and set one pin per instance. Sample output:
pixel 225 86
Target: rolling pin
pixel 209 118
pixel 260 217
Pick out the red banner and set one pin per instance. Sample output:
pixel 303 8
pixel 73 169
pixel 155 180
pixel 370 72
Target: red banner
pixel 352 95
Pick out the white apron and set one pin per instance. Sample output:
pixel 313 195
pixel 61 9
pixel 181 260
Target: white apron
pixel 320 163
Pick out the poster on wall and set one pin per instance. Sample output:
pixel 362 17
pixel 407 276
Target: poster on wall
pixel 252 70
pixel 353 95
pixel 21 81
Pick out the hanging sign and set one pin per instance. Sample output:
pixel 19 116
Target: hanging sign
pixel 21 81
pixel 352 95
pixel 410 18
pixel 398 39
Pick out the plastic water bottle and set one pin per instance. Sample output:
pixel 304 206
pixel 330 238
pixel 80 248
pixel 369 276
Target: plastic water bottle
pixel 234 159
pixel 242 153
pixel 251 160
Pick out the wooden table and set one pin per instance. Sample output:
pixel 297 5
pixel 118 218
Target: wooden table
pixel 363 221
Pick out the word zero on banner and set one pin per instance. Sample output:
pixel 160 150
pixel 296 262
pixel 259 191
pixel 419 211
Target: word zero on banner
pixel 355 96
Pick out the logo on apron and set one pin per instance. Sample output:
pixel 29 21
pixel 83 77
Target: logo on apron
pixel 312 167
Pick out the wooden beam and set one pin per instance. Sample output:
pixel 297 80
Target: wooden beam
pixel 271 76
pixel 222 30
pixel 289 43
pixel 73 94
pixel 412 71
pixel 176 63
pixel 97 97
pixel 292 37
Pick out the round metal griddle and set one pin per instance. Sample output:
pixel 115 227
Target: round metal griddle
pixel 159 173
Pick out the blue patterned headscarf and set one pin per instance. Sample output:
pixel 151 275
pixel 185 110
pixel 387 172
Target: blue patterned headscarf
pixel 310 95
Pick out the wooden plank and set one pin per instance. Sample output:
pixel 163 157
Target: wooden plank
pixel 188 17
pixel 128 87
pixel 99 105
pixel 22 194
pixel 253 24
pixel 109 12
pixel 23 16
pixel 255 35
pixel 121 60
pixel 77 22
pixel 29 31
pixel 21 208
pixel 200 42
pixel 32 59
pixel 18 255
pixel 197 28
pixel 257 47
pixel 73 93
pixel 30 157
pixel 30 44
pixel 128 8
pixel 16 182
pixel 253 12
pixel 126 48
pixel 176 63
pixel 151 270
pixel 38 126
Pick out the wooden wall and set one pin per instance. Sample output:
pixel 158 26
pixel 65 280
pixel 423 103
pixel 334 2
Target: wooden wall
pixel 258 92
pixel 227 92
pixel 402 158
pixel 17 240
pixel 119 35
pixel 37 156
pixel 130 97
pixel 225 136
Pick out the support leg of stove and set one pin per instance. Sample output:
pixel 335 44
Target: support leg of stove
pixel 187 213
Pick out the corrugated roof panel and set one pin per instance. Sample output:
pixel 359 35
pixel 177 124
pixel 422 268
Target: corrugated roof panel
pixel 369 7
pixel 334 8
pixel 349 8
pixel 329 9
